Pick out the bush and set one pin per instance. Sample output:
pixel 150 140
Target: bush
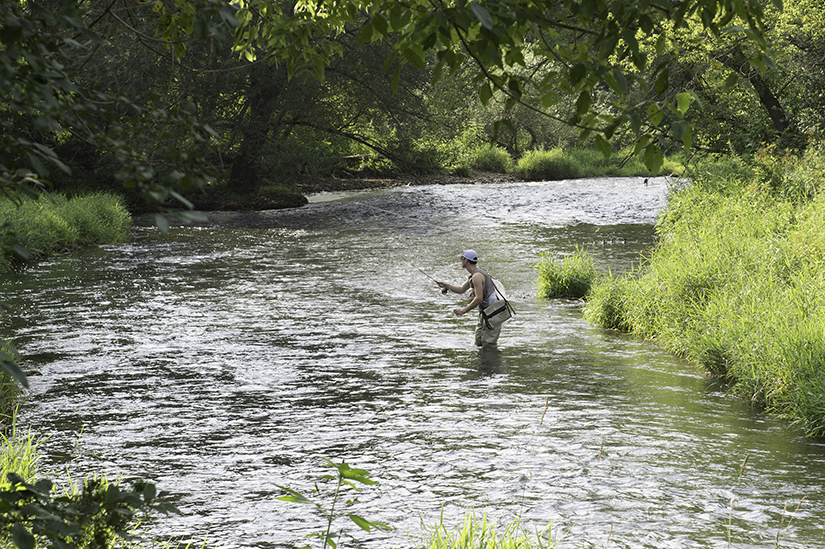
pixel 570 278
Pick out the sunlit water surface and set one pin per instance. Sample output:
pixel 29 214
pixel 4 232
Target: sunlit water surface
pixel 222 360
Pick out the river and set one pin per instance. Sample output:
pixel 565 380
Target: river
pixel 225 359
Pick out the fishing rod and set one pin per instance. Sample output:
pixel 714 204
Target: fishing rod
pixel 443 290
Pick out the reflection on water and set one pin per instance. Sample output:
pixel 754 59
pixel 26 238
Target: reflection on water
pixel 223 360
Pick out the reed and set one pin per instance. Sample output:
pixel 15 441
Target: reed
pixel 736 285
pixel 570 278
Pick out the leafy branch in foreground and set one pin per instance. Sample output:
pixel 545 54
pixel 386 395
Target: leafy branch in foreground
pixel 345 478
pixel 34 516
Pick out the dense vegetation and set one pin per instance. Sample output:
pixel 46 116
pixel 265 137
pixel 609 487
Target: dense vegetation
pixel 246 98
pixel 736 282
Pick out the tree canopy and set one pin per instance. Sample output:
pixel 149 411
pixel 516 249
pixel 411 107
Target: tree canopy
pixel 150 84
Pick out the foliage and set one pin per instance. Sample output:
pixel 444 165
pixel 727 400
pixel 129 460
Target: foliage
pixel 32 515
pixel 552 49
pixel 736 285
pixel 10 376
pixel 540 165
pixel 44 48
pixel 57 223
pixel 569 278
pixel 18 455
pixel 483 535
pixel 490 158
pixel 344 478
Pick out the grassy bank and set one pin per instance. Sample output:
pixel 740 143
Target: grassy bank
pixel 46 226
pixel 737 282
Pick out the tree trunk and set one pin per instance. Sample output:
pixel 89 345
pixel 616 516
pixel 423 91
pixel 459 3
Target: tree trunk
pixel 736 61
pixel 261 99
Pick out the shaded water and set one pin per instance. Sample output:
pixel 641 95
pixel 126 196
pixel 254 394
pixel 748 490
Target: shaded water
pixel 222 360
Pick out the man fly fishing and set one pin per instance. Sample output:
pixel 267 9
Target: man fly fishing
pixel 483 293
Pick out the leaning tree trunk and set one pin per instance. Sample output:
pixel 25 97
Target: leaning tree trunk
pixel 736 61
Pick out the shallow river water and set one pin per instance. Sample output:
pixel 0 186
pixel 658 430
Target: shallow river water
pixel 223 360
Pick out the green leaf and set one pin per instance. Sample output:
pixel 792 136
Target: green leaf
pixel 653 158
pixel 663 82
pixel 687 139
pixel 293 497
pixel 380 25
pixel 635 122
pixel 577 73
pixel 549 99
pixel 22 538
pixel 583 103
pixel 603 146
pixel 485 93
pixel 14 371
pixel 482 15
pixel 363 523
pixel 683 101
pixel 364 35
pixel 162 222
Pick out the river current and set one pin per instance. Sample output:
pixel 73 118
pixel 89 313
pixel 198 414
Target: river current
pixel 225 359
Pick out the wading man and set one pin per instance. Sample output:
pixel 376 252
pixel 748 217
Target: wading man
pixel 483 294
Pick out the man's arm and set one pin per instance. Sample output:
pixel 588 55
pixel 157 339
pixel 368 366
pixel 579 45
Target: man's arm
pixel 455 289
pixel 478 282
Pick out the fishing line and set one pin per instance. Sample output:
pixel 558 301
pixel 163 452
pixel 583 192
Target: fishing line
pixel 410 264
pixel 402 245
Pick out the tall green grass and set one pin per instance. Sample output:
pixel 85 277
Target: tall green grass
pixel 558 163
pixel 483 534
pixel 49 225
pixel 18 454
pixel 737 285
pixel 570 277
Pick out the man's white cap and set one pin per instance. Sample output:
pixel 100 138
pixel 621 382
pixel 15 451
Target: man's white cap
pixel 470 255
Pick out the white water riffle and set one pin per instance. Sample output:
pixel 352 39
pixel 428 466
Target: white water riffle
pixel 222 360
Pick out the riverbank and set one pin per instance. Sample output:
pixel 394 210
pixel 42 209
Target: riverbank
pixel 293 193
pixel 735 284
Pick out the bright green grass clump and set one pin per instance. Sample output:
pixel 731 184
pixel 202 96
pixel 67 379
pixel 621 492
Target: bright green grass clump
pixel 737 285
pixel 556 164
pixel 474 534
pixel 48 225
pixel 570 277
pixel 552 165
pixel 490 158
pixel 18 454
pixel 9 388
